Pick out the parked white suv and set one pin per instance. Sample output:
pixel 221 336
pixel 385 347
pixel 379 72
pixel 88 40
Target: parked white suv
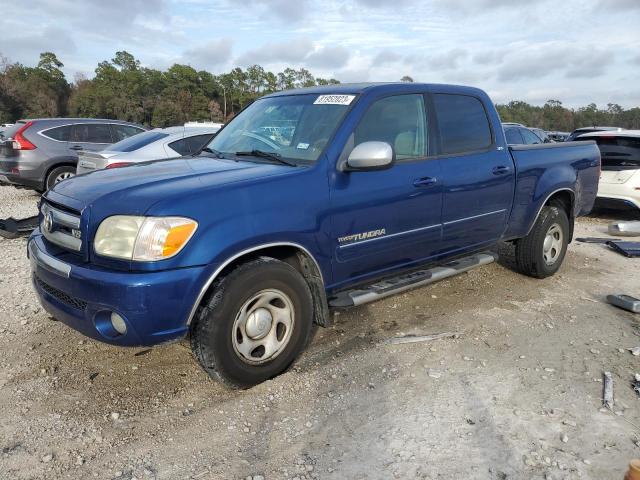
pixel 620 177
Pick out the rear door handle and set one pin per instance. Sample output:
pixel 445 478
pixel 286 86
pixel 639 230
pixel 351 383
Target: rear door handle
pixel 501 170
pixel 76 147
pixel 425 182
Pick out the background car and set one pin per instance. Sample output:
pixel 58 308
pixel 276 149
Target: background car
pixel 542 135
pixel 152 145
pixel 38 153
pixel 4 127
pixel 557 136
pixel 581 131
pixel 520 135
pixel 620 175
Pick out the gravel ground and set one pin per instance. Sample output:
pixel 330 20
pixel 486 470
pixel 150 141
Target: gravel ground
pixel 517 395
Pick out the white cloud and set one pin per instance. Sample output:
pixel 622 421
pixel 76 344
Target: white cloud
pixel 569 50
pixel 210 55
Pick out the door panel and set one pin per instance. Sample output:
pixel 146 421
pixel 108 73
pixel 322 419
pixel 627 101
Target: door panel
pixel 384 219
pixel 478 178
pixel 478 192
pixel 381 220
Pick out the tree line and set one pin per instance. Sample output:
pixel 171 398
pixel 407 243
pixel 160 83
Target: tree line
pixel 124 89
pixel 554 116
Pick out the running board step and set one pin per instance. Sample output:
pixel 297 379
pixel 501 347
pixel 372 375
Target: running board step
pixel 407 281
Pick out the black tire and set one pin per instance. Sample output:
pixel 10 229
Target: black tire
pixel 530 254
pixel 211 334
pixel 55 174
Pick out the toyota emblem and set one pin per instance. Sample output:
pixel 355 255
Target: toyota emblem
pixel 47 224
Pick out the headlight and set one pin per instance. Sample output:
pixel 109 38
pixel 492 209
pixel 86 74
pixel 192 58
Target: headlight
pixel 143 238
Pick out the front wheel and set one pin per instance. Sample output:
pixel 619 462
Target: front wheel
pixel 540 254
pixel 256 322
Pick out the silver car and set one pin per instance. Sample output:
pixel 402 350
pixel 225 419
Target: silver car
pixel 155 144
pixel 38 153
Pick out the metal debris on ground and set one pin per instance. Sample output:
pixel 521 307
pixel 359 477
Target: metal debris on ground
pixel 420 338
pixel 608 391
pixel 628 249
pixel 627 302
pixel 636 383
pixel 12 228
pixel 635 351
pixel 625 229
pixel 596 239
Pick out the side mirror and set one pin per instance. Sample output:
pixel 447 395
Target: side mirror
pixel 370 156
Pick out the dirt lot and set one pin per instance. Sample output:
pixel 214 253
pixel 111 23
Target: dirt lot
pixel 518 395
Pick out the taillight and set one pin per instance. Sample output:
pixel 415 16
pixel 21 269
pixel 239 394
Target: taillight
pixel 21 143
pixel 118 164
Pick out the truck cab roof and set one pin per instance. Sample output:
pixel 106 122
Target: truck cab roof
pixel 377 87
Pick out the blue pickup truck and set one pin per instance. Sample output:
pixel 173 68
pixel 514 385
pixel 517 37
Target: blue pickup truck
pixel 307 200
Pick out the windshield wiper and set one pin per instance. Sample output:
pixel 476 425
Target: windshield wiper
pixel 212 151
pixel 270 155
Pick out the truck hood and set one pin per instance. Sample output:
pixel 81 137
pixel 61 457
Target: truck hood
pixel 135 188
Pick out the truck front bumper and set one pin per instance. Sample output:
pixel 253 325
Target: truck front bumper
pixel 154 306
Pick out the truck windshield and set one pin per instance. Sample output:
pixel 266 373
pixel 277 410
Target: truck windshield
pixel 296 127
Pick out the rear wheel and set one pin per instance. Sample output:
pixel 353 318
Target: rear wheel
pixel 59 174
pixel 540 254
pixel 257 321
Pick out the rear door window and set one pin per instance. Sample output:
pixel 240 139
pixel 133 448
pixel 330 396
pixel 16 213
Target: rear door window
pixel 180 146
pixel 530 138
pixel 197 142
pixel 190 145
pixel 513 136
pixel 91 133
pixel 61 134
pixel 120 132
pixel 463 124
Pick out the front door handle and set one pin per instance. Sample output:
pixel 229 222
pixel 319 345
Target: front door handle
pixel 501 170
pixel 76 147
pixel 425 182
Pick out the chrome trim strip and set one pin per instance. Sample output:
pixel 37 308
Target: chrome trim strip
pixel 47 262
pixel 545 202
pixel 41 132
pixel 391 235
pixel 475 216
pixel 61 217
pixel 66 220
pixel 64 240
pixel 215 274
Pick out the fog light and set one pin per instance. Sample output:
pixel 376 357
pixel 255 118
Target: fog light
pixel 117 322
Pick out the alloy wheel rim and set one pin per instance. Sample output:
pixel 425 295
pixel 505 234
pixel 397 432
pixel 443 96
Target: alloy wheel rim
pixel 63 176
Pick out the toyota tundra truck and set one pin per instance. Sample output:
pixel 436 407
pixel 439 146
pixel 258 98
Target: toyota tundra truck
pixel 307 201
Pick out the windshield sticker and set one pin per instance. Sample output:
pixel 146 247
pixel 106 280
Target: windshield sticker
pixel 303 146
pixel 334 100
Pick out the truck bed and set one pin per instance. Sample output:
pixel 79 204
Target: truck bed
pixel 542 170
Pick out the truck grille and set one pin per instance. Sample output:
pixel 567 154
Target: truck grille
pixel 60 295
pixel 60 227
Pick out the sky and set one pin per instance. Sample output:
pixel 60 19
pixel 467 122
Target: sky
pixel 575 51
